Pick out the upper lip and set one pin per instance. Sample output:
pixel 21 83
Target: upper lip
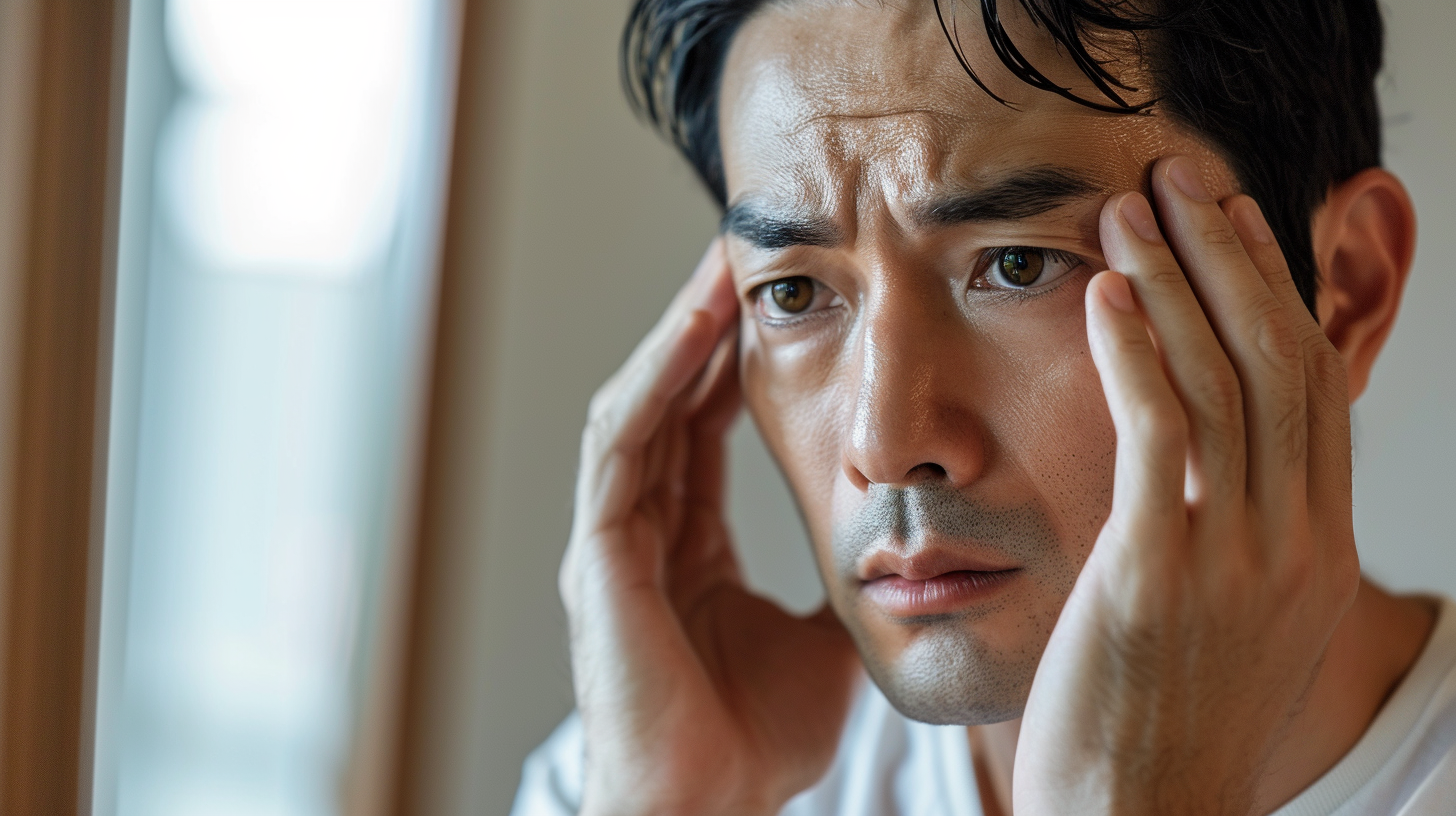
pixel 927 562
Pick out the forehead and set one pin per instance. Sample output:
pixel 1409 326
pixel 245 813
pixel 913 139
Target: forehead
pixel 827 102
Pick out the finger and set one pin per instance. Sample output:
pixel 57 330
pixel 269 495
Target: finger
pixel 696 472
pixel 659 451
pixel 706 408
pixel 702 556
pixel 706 477
pixel 665 470
pixel 1326 391
pixel 619 427
pixel 628 412
pixel 1258 241
pixel 1151 424
pixel 715 401
pixel 665 502
pixel 669 358
pixel 1200 372
pixel 709 289
pixel 1253 327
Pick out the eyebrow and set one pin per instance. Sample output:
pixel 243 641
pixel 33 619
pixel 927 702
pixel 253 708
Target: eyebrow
pixel 1025 194
pixel 765 230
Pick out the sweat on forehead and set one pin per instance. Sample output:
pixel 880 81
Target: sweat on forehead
pixel 861 57
pixel 835 110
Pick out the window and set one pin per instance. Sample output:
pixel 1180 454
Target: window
pixel 282 190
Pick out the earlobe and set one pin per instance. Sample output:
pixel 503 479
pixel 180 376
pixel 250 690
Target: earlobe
pixel 1364 242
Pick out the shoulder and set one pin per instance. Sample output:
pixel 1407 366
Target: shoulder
pixel 885 764
pixel 1405 764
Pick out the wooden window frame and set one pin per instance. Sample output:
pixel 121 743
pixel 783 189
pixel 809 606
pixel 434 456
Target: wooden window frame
pixel 62 95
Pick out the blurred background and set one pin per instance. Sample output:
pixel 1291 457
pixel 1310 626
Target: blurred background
pixel 282 200
pixel 373 257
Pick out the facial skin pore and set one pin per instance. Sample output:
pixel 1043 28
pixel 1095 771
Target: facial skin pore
pixel 917 378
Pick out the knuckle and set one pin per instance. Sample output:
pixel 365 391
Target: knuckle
pixel 1296 574
pixel 1329 367
pixel 1329 389
pixel 1217 389
pixel 1130 344
pixel 1222 239
pixel 1292 430
pixel 1160 428
pixel 1277 342
pixel 1167 277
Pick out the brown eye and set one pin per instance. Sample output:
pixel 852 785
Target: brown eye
pixel 793 295
pixel 1021 266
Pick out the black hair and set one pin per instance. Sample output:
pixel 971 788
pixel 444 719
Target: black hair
pixel 1283 89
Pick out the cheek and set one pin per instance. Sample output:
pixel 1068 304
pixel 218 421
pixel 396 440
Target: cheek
pixel 801 411
pixel 1072 462
pixel 1050 431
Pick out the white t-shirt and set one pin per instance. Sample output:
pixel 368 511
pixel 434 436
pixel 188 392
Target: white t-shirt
pixel 1404 765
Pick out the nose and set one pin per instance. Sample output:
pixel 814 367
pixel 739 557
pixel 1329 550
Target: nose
pixel 914 395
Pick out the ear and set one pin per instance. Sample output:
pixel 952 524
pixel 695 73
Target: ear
pixel 1364 241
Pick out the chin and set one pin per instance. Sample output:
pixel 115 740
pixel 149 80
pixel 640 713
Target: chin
pixel 951 677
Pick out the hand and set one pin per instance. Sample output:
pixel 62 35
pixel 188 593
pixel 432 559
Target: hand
pixel 1200 619
pixel 696 696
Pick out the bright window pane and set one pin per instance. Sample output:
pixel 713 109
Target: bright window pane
pixel 283 179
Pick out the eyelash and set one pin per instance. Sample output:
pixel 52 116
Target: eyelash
pixel 988 257
pixel 757 294
pixel 1050 256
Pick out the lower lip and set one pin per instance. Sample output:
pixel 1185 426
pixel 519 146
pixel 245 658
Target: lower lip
pixel 941 595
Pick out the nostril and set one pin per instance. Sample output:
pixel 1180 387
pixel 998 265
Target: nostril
pixel 926 471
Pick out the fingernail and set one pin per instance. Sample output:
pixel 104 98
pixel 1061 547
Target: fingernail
pixel 1117 293
pixel 1254 225
pixel 1135 211
pixel 1185 176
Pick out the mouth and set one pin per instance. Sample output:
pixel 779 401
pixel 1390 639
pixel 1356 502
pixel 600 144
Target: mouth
pixel 943 594
pixel 930 583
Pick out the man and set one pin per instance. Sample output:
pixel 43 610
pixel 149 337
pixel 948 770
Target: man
pixel 1051 313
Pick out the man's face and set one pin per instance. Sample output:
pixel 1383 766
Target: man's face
pixel 911 257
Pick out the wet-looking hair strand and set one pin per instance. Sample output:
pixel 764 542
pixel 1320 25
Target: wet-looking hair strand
pixel 1283 90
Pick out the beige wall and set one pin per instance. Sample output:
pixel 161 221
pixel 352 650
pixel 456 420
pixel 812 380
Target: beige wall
pixel 1405 426
pixel 600 222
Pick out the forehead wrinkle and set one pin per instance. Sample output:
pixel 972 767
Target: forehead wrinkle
pixel 846 134
pixel 848 130
pixel 831 118
pixel 888 162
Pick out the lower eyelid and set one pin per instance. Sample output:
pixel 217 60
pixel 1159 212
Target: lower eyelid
pixel 763 316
